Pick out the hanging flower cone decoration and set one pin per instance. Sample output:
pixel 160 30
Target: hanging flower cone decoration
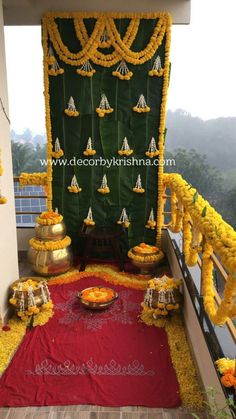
pixel 151 224
pixel 124 219
pixel 74 186
pixel 141 106
pixel 157 69
pixel 104 107
pixel 3 200
pixel 86 70
pixel 71 109
pixel 105 41
pixel 89 151
pixel 125 149
pixel 89 219
pixel 152 149
pixel 104 188
pixel 138 187
pixel 54 68
pixel 58 152
pixel 122 71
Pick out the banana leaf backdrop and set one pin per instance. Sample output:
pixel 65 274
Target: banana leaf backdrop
pixel 107 135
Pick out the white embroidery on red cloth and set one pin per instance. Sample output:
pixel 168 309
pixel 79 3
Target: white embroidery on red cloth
pixel 135 368
pixel 124 311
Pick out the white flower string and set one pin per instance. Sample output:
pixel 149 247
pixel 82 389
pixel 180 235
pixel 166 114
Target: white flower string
pixel 86 69
pixel 151 223
pixel 124 219
pixel 157 69
pixel 104 107
pixel 58 152
pixel 138 186
pixel 74 186
pixel 152 149
pixel 71 108
pixel 122 71
pixel 89 219
pixel 125 148
pixel 54 69
pixel 141 105
pixel 89 151
pixel 104 188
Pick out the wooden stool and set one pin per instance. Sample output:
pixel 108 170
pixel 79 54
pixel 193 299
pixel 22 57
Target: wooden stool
pixel 100 240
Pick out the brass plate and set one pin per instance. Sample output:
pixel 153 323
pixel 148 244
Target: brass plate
pixel 97 306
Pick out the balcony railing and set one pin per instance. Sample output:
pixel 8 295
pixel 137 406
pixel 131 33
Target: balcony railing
pixel 206 242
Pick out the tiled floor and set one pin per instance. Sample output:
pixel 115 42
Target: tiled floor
pixel 90 411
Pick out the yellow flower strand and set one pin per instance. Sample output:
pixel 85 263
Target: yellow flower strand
pixel 106 273
pixel 91 44
pixel 38 179
pixel 50 245
pixel 221 314
pixel 47 115
pixel 190 390
pixel 161 146
pixel 176 214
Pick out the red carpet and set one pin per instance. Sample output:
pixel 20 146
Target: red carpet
pixel 105 358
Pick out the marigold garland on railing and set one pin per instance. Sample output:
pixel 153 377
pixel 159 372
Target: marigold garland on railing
pixel 37 179
pixel 201 220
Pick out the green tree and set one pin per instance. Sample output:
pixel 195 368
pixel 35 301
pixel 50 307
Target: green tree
pixel 21 155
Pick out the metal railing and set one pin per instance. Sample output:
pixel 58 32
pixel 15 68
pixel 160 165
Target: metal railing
pixel 219 269
pixel 28 193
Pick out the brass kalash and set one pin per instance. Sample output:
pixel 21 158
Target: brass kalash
pixel 50 262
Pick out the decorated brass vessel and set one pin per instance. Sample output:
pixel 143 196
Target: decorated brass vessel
pixel 96 305
pixel 37 292
pixel 50 232
pixel 145 262
pixel 50 262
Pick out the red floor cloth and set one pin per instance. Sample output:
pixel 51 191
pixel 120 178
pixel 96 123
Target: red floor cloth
pixel 105 358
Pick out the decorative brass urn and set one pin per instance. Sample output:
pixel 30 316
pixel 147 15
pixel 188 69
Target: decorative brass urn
pixel 146 258
pixel 50 253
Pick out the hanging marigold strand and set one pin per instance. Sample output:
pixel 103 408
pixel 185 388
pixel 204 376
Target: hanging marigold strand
pixel 141 106
pixel 86 70
pixel 122 71
pixel 124 219
pixel 152 149
pixel 151 223
pixel 58 152
pixel 74 186
pixel 71 108
pixel 89 219
pixel 104 188
pixel 89 149
pixel 104 107
pixel 138 187
pixel 125 149
pixel 157 69
pixel 54 69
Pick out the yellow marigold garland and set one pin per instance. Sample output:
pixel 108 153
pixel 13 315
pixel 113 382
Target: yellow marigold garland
pixel 161 143
pixel 39 179
pixel 49 218
pixel 219 237
pixel 190 391
pixel 10 340
pixel 107 273
pixel 50 245
pixel 90 45
pixel 47 115
pixel 227 307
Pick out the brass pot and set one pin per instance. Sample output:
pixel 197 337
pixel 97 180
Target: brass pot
pixel 36 292
pixel 146 268
pixel 50 262
pixel 51 232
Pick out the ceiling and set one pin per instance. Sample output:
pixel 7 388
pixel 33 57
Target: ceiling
pixel 29 12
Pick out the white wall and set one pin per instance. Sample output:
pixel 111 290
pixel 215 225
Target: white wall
pixel 8 246
pixel 25 12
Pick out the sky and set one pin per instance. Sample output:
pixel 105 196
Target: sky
pixel 203 73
